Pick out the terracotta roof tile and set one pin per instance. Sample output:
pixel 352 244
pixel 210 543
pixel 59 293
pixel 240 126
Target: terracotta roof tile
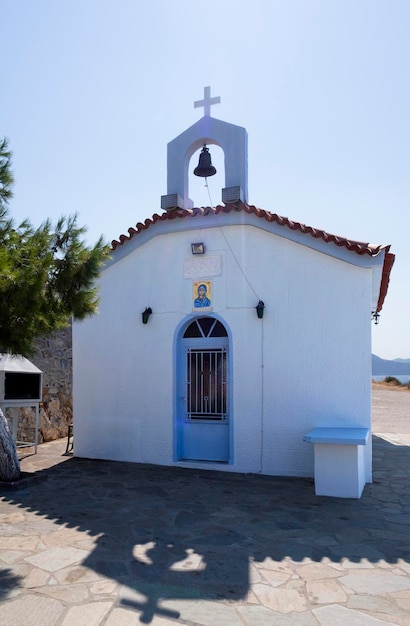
pixel 359 247
pixel 354 246
pixel 387 266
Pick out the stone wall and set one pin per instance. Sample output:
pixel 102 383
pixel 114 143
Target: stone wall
pixel 53 356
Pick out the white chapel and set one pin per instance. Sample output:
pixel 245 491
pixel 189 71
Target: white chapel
pixel 200 356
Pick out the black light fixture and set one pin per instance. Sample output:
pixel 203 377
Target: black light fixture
pixel 145 315
pixel 197 248
pixel 375 317
pixel 259 309
pixel 205 167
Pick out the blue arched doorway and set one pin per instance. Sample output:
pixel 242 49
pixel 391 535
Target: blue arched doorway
pixel 203 405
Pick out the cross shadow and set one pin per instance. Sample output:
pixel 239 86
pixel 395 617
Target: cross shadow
pixel 168 533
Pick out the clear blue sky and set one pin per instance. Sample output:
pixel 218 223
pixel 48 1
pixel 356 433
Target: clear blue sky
pixel 93 90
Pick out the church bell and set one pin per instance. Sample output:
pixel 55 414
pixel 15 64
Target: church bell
pixel 205 167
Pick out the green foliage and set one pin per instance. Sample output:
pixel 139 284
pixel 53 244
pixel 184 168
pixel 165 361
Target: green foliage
pixel 6 175
pixel 47 275
pixel 392 379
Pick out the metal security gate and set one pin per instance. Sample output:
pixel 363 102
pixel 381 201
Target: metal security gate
pixel 203 403
pixel 206 385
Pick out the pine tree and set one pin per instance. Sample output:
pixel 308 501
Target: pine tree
pixel 6 175
pixel 47 276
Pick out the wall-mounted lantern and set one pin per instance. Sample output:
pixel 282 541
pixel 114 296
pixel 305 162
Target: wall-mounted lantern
pixel 198 248
pixel 259 309
pixel 375 317
pixel 146 314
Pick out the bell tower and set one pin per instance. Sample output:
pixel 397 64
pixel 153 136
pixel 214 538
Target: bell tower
pixel 207 131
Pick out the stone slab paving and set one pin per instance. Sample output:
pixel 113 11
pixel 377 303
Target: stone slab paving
pixel 120 544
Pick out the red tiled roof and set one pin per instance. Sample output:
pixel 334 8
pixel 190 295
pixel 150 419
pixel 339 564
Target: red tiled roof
pixel 384 285
pixel 359 247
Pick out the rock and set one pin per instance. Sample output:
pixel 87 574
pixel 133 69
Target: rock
pixel 9 463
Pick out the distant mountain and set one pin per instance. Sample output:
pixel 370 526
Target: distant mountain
pixel 384 367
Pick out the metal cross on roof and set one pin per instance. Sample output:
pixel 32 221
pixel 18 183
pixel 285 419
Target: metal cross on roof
pixel 207 102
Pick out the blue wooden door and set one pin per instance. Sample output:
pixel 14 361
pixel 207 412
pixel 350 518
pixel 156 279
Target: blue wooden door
pixel 203 415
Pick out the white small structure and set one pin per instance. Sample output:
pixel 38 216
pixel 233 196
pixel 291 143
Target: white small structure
pixel 20 386
pixel 340 465
pixel 226 334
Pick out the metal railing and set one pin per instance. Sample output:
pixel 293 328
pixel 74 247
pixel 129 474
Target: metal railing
pixel 206 385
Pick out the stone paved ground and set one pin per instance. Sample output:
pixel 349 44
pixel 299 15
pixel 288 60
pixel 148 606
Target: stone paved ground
pixel 119 544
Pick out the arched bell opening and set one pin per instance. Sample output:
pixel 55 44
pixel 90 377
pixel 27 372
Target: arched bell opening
pixel 207 191
pixel 231 183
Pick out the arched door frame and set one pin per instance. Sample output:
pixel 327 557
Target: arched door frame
pixel 178 359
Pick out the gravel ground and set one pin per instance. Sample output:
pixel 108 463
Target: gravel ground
pixel 391 411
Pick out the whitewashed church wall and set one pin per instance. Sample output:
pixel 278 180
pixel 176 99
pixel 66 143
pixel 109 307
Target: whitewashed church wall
pixel 316 355
pixel 319 366
pixel 307 363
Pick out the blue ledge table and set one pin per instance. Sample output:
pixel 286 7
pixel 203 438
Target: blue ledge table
pixel 339 460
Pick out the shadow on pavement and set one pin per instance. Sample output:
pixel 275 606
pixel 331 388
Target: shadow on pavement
pixel 172 533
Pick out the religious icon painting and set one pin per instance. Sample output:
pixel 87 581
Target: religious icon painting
pixel 202 295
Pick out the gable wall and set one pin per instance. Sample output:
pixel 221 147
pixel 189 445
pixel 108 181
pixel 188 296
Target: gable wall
pixel 305 364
